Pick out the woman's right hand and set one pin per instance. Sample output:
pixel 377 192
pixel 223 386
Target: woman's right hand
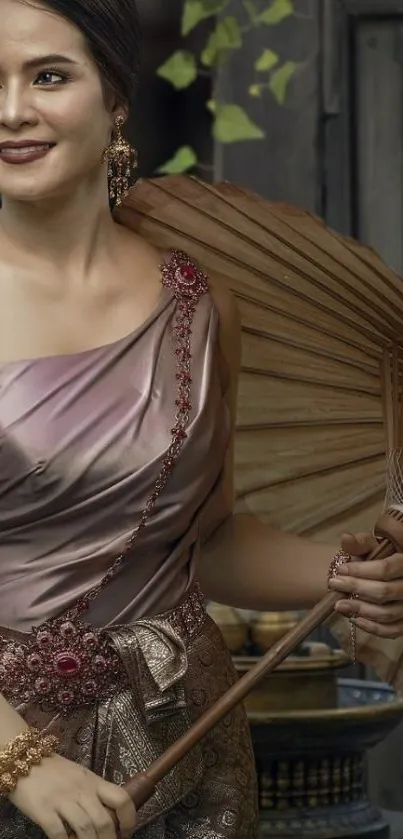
pixel 63 798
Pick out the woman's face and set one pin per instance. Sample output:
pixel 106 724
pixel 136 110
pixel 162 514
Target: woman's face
pixel 58 101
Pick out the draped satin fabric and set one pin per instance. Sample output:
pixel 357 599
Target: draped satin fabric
pixel 82 441
pixel 82 438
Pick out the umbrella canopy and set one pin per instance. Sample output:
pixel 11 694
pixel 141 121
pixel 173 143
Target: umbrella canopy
pixel 318 311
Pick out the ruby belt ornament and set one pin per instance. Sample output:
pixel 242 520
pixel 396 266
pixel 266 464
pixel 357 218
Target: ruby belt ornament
pixel 62 665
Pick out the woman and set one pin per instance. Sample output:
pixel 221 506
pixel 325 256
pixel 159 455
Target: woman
pixel 118 371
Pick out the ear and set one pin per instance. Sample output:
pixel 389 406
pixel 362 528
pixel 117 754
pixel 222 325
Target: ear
pixel 114 105
pixel 120 111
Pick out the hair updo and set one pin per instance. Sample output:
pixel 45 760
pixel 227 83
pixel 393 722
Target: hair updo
pixel 112 31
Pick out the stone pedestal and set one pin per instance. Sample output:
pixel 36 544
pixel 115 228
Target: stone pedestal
pixel 393 820
pixel 311 762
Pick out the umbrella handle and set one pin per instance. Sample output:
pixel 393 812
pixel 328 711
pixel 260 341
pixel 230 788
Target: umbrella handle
pixel 389 531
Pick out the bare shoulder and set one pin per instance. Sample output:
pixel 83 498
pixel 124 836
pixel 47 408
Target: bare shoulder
pixel 138 251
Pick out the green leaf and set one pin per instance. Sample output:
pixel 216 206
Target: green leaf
pixel 266 61
pixel 255 90
pixel 183 160
pixel 280 80
pixel 232 124
pixel 277 11
pixel 180 69
pixel 194 11
pixel 227 36
pixel 250 8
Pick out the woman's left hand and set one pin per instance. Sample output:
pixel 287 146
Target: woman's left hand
pixel 378 586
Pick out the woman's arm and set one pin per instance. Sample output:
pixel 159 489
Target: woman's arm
pixel 245 562
pixel 250 565
pixel 58 792
pixel 11 724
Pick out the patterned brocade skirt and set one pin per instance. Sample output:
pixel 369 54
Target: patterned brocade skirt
pixel 173 678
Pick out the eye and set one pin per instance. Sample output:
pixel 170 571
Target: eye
pixel 51 77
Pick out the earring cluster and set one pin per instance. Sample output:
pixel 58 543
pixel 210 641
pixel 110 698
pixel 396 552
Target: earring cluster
pixel 122 160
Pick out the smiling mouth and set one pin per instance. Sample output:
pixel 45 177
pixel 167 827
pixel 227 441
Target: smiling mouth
pixel 22 151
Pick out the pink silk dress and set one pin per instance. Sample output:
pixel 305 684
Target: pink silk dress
pixel 88 442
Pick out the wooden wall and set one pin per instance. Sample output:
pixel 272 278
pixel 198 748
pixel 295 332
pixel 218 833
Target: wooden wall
pixel 379 135
pixel 286 165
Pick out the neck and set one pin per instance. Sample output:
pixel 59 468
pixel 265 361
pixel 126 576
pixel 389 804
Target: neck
pixel 69 232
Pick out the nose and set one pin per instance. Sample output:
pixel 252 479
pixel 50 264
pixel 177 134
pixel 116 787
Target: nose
pixel 15 108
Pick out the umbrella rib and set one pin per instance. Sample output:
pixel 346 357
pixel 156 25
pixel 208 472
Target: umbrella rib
pixel 313 326
pixel 319 423
pixel 304 379
pixel 393 282
pixel 371 498
pixel 393 287
pixel 312 351
pixel 326 470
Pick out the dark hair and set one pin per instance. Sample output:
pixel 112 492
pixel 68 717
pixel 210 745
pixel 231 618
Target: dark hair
pixel 112 31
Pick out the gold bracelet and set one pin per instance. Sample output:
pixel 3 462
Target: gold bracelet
pixel 28 749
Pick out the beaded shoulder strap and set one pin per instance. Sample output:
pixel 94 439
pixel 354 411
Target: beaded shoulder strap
pixel 188 284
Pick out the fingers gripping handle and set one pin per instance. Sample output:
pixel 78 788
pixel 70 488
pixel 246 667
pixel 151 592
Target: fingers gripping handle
pixel 389 529
pixel 140 788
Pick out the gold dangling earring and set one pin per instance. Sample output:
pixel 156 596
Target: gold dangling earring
pixel 122 159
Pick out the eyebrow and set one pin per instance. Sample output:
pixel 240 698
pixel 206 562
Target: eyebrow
pixel 54 58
